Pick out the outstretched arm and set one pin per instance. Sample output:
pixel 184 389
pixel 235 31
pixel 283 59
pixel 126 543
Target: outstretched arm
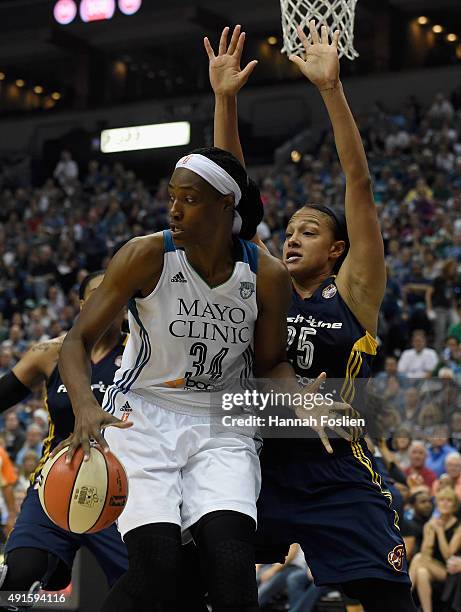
pixel 227 78
pixel 31 370
pixel 361 280
pixel 134 268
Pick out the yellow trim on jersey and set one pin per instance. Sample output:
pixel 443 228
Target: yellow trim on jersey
pixel 366 344
pixel 46 445
pixel 376 479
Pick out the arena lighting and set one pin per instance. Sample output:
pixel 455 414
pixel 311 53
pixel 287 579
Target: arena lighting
pixel 20 83
pixel 129 7
pixel 136 138
pixel 296 156
pixel 2 76
pixel 452 37
pixel 272 40
pixel 437 29
pixel 56 95
pixel 97 10
pixel 423 20
pixel 65 11
pixel 38 89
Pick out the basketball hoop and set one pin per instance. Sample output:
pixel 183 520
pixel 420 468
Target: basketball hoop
pixel 335 14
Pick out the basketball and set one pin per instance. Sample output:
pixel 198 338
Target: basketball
pixel 83 496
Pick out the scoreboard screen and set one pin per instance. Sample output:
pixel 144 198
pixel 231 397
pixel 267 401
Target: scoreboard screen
pixel 65 11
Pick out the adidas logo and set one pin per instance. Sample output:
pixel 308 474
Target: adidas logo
pixel 178 278
pixel 126 407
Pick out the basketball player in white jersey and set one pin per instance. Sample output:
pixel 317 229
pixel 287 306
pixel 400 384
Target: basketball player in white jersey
pixel 205 308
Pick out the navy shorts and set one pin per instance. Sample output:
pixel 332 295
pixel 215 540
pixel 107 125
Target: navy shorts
pixel 339 511
pixel 33 529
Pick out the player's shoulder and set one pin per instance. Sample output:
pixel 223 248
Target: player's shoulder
pixel 271 267
pixel 48 347
pixel 274 281
pixel 44 354
pixel 144 246
pixel 140 260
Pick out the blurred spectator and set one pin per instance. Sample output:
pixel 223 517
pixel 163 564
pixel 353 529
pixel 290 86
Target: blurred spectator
pixel 40 418
pixel 8 478
pixel 411 407
pixel 442 299
pixel 429 416
pixel 455 328
pixel 441 109
pixel 303 595
pixel 455 435
pixel 272 579
pixel 14 434
pixel 421 507
pixel 18 496
pixel 419 361
pixel 451 595
pixel 438 450
pixel 441 540
pixel 7 360
pixel 42 272
pixel 26 468
pixel 401 442
pixel 452 475
pixel 34 437
pixel 66 171
pixel 390 383
pixel 417 473
pixel 15 341
pixel 3 328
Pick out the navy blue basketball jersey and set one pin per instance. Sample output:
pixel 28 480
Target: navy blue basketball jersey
pixel 57 403
pixel 325 336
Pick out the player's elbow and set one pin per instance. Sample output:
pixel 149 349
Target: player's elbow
pixel 360 181
pixel 75 339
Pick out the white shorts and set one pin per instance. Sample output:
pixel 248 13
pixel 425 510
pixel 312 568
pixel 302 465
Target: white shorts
pixel 179 468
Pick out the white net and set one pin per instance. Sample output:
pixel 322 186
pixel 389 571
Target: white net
pixel 335 14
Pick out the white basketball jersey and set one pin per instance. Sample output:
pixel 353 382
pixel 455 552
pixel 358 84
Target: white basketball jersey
pixel 188 339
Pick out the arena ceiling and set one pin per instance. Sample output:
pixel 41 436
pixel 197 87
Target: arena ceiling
pixel 33 46
pixel 25 24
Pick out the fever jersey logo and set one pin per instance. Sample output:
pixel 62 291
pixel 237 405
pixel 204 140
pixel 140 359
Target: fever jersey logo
pixel 329 291
pixel 396 557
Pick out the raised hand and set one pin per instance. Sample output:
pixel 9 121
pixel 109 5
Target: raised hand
pixel 321 65
pixel 324 409
pixel 226 76
pixel 88 426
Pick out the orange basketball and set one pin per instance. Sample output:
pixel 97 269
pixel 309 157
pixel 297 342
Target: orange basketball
pixel 83 496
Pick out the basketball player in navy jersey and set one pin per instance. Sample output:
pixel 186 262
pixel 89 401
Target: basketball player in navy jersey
pixel 38 552
pixel 334 504
pixel 213 308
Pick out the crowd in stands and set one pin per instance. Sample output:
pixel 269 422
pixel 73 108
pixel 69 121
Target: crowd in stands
pixel 53 235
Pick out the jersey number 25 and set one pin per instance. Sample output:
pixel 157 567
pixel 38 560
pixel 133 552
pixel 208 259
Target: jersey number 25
pixel 305 348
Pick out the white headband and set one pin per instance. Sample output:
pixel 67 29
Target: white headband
pixel 217 177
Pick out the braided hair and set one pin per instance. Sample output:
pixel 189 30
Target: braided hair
pixel 250 206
